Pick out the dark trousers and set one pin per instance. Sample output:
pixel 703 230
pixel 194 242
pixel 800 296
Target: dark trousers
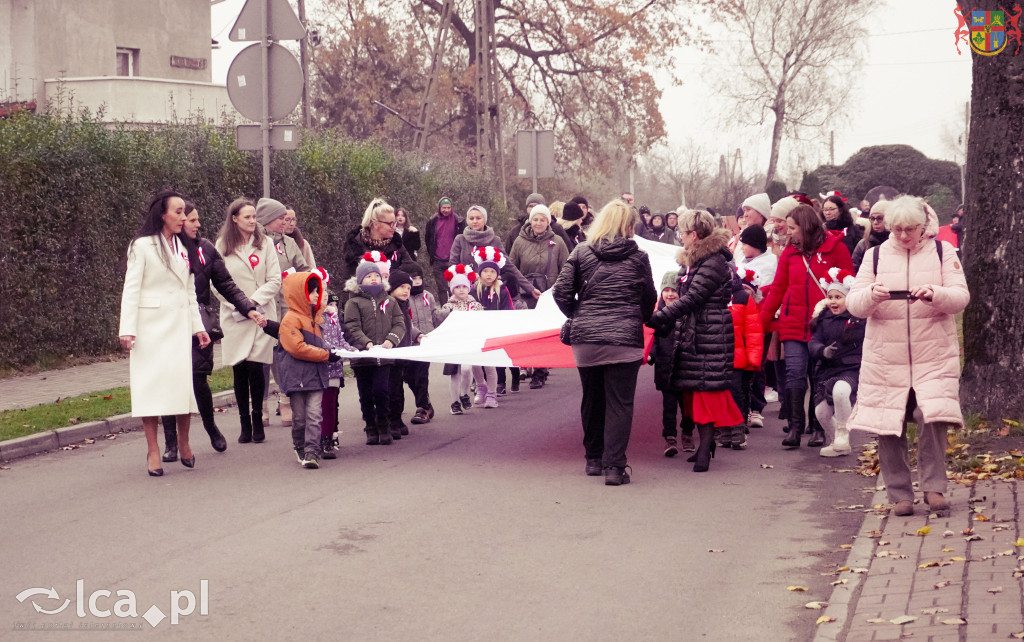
pixel 396 394
pixel 374 384
pixel 329 410
pixel 249 385
pixel 607 410
pixel 671 401
pixel 204 400
pixel 501 375
pixel 417 377
pixel 741 386
pixel 437 268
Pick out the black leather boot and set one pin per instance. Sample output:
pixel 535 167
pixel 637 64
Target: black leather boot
pixel 706 449
pixel 170 439
pixel 258 435
pixel 797 421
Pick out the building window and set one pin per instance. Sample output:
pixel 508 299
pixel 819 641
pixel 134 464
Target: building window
pixel 127 62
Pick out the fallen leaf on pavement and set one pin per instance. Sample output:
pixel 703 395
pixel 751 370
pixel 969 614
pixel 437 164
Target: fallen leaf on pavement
pixel 875 533
pixel 1019 636
pixel 924 530
pixel 846 546
pixel 90 441
pixel 942 584
pixel 1005 554
pixel 996 589
pixel 767 466
pixel 948 534
pixel 973 538
pixel 927 565
pixel 958 559
pixel 904 619
pixel 838 582
pixel 968 531
pixel 109 437
pixel 877 620
pixel 980 518
pixel 816 605
pixel 73 421
pixel 796 588
pixel 824 619
pixel 716 550
pixel 955 621
pixel 934 610
pixel 842 569
pixel 859 570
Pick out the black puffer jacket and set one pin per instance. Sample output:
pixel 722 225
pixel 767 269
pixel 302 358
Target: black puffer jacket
pixel 614 309
pixel 843 329
pixel 356 247
pixel 704 351
pixel 208 267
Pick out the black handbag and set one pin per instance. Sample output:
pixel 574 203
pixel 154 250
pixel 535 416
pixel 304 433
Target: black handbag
pixel 211 321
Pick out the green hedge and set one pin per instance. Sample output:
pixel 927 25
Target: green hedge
pixel 73 193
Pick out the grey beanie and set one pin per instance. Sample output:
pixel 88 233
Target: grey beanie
pixel 670 280
pixel 268 210
pixel 364 268
pixel 535 199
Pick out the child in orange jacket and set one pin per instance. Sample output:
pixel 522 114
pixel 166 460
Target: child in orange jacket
pixel 749 347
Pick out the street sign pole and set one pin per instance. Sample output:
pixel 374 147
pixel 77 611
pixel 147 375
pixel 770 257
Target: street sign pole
pixel 265 72
pixel 534 158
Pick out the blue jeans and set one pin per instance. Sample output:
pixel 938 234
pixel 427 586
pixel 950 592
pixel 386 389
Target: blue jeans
pixel 797 356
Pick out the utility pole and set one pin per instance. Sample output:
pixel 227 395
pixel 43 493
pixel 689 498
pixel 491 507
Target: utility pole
pixel 832 147
pixel 307 121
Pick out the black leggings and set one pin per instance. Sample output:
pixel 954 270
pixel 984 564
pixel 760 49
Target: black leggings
pixel 249 384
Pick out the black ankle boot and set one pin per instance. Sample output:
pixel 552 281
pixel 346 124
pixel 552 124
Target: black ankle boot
pixel 706 449
pixel 170 443
pixel 246 436
pixel 817 439
pixel 797 421
pixel 258 436
pixel 216 438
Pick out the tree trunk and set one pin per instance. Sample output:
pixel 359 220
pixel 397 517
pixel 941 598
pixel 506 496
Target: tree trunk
pixel 994 221
pixel 773 158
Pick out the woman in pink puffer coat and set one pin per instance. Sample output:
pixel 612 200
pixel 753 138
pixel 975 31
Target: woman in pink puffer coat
pixel 911 352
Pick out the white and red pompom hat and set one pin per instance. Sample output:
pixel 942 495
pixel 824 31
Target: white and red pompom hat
pixel 841 280
pixel 489 257
pixel 458 275
pixel 382 261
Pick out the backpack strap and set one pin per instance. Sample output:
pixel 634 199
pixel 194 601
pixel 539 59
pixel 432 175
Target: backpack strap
pixel 874 257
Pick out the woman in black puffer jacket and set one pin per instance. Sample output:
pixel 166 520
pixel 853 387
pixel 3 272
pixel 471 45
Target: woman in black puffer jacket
pixel 207 265
pixel 704 353
pixel 606 288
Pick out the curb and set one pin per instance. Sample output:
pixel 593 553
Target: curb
pixel 55 439
pixel 843 600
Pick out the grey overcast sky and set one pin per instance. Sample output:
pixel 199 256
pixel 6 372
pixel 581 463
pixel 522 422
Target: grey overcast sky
pixel 912 89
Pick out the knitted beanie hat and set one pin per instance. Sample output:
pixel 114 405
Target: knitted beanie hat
pixel 670 280
pixel 458 275
pixel 398 278
pixel 479 208
pixel 541 209
pixel 364 268
pixel 383 264
pixel 754 236
pixel 783 207
pixel 488 257
pixel 761 203
pixel 268 210
pixel 535 199
pixel 572 211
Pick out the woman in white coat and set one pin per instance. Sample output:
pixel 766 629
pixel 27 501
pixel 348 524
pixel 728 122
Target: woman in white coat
pixel 252 262
pixel 159 317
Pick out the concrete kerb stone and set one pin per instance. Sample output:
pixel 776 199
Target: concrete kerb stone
pixel 61 437
pixel 843 601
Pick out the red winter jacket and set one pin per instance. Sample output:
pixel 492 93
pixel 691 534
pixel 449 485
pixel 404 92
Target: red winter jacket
pixel 793 290
pixel 746 325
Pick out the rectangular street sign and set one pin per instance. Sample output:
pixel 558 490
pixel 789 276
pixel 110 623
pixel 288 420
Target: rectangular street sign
pixel 282 137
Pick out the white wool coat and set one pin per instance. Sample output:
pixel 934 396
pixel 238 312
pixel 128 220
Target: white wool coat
pixel 909 344
pixel 158 308
pixel 243 339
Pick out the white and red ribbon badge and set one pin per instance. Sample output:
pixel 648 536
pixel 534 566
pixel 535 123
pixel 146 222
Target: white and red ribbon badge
pixel 184 257
pixel 202 257
pixel 384 305
pixel 280 250
pixel 254 260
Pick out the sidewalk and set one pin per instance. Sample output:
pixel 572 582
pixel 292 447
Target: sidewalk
pixel 960 580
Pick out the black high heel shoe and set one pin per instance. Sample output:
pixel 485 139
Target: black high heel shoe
pixel 692 458
pixel 190 462
pixel 159 472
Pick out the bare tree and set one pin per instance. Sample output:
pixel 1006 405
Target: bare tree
pixel 994 320
pixel 797 62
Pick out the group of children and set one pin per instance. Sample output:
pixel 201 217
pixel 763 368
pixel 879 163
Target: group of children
pixel 835 352
pixel 385 309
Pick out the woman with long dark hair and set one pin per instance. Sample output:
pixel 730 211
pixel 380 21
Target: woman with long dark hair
pixel 839 218
pixel 251 260
pixel 207 266
pixel 159 317
pixel 811 251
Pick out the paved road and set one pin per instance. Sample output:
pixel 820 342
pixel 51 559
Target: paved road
pixel 474 527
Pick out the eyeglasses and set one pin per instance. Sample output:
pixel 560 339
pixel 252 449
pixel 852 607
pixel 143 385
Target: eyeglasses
pixel 830 209
pixel 876 218
pixel 391 223
pixel 909 231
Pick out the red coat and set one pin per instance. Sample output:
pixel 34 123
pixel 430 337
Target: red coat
pixel 793 291
pixel 746 325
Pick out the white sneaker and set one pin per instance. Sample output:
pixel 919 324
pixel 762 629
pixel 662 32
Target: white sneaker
pixel 755 419
pixel 770 395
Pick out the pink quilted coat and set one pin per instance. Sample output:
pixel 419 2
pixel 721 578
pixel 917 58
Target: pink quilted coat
pixel 909 344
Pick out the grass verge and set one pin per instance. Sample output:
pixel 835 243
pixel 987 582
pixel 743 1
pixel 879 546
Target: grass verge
pixel 76 410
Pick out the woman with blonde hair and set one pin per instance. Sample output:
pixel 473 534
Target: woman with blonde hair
pixel 376 231
pixel 705 341
pixel 607 291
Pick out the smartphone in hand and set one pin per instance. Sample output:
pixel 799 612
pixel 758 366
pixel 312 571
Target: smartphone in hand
pixel 901 295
